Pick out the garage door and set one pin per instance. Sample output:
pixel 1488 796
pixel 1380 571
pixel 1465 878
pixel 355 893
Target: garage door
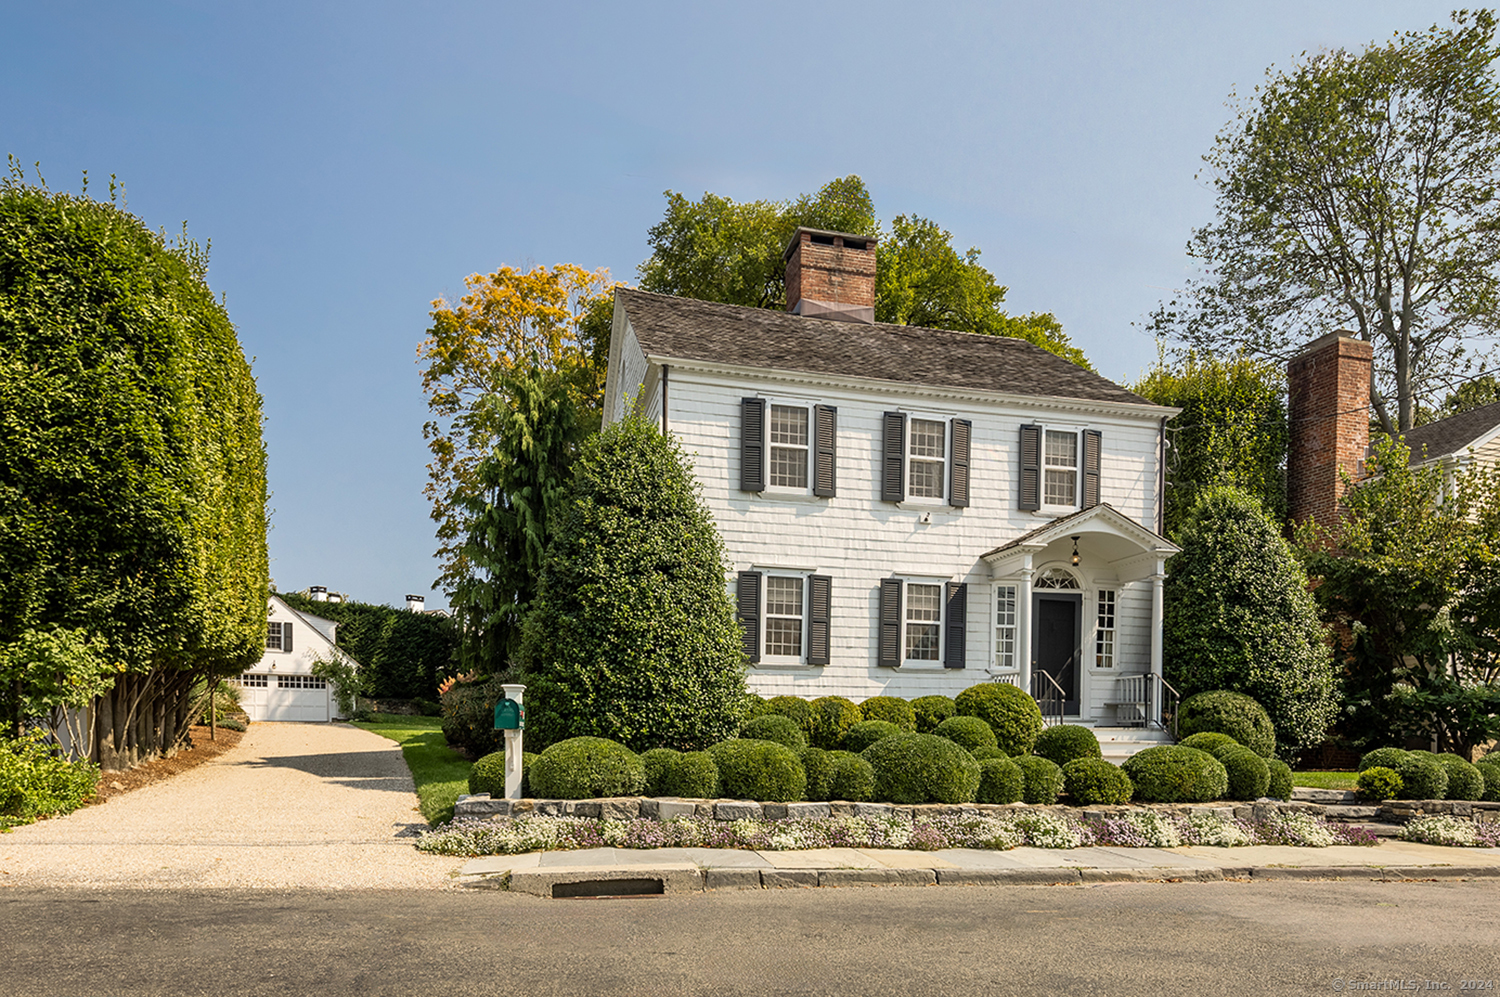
pixel 285 697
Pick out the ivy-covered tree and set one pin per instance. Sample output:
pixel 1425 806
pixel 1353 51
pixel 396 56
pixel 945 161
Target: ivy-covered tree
pixel 632 636
pixel 1239 617
pixel 1232 429
pixel 132 471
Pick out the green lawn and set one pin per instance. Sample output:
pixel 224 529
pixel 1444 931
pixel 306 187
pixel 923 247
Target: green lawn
pixel 441 774
pixel 1325 780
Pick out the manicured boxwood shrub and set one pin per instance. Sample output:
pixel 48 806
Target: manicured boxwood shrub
pixel 1209 740
pixel 1378 783
pixel 832 716
pixel 837 775
pixel 1012 715
pixel 759 770
pixel 1386 758
pixel 657 762
pixel 931 711
pixel 583 768
pixel 1422 778
pixel 754 705
pixel 1170 773
pixel 980 754
pixel 891 709
pixel 775 727
pixel 1043 779
pixel 1490 770
pixel 693 775
pixel 1249 776
pixel 1000 781
pixel 1232 713
pixel 867 732
pixel 1465 782
pixel 1065 742
pixel 1280 786
pixel 1094 782
pixel 488 775
pixel 922 768
pixel 969 733
pixel 795 707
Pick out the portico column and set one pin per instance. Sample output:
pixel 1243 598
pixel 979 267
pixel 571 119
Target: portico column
pixel 1023 625
pixel 1157 615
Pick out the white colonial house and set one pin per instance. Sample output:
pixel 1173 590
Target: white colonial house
pixel 910 511
pixel 281 686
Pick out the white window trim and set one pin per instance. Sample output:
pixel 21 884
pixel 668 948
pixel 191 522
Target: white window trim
pixel 807 407
pixel 1015 627
pixel 928 501
pixel 1094 629
pixel 280 636
pixel 919 664
pixel 786 661
pixel 1054 509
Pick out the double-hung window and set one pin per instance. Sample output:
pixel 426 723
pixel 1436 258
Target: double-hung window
pixel 925 459
pixel 278 636
pixel 924 618
pixel 1060 481
pixel 787 466
pixel 784 616
pixel 1005 626
pixel 1104 631
pixel 788 447
pixel 1059 468
pixel 922 622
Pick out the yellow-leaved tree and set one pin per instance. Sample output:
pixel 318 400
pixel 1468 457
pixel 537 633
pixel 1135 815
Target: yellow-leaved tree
pixel 551 319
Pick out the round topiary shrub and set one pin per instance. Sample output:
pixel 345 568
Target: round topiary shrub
pixel 1000 781
pixel 980 754
pixel 775 727
pixel 867 732
pixel 583 768
pixel 795 707
pixel 759 770
pixel 1209 740
pixel 1490 770
pixel 488 775
pixel 891 709
pixel 1232 713
pixel 1386 758
pixel 1012 715
pixel 658 763
pixel 931 711
pixel 969 733
pixel 1065 742
pixel 754 706
pixel 1280 786
pixel 1422 778
pixel 1094 782
pixel 1378 783
pixel 832 716
pixel 1249 776
pixel 817 765
pixel 1170 773
pixel 841 775
pixel 693 776
pixel 922 768
pixel 1043 779
pixel 1465 782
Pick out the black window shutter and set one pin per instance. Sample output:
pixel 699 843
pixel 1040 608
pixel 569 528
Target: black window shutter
pixel 825 445
pixel 888 651
pixel 753 444
pixel 956 632
pixel 1031 468
pixel 893 459
pixel 817 630
pixel 1092 443
pixel 958 473
pixel 749 613
pixel 286 636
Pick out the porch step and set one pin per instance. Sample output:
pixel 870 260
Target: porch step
pixel 1119 743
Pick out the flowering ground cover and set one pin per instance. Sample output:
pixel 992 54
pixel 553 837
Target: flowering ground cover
pixel 1041 829
pixel 1453 831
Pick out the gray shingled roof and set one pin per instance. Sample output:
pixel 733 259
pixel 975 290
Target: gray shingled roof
pixel 1452 435
pixel 686 329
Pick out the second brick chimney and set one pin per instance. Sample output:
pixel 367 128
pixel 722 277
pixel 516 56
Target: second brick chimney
pixel 830 275
pixel 1328 401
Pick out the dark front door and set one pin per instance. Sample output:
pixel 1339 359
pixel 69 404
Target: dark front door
pixel 1056 650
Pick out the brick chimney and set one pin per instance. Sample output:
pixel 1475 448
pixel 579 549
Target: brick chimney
pixel 1328 394
pixel 830 275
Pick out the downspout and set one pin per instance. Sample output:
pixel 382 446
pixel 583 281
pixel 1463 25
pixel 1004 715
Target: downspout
pixel 1161 476
pixel 664 370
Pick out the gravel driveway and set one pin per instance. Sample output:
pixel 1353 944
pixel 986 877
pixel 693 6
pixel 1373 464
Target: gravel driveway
pixel 325 806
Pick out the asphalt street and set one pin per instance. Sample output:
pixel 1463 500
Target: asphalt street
pixel 1146 939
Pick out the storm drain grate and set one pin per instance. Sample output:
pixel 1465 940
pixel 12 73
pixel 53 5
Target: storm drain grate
pixel 610 888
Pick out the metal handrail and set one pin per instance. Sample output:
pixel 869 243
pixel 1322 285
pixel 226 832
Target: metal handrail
pixel 1050 700
pixel 1168 719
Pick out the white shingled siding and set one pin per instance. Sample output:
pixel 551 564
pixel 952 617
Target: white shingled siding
pixel 858 540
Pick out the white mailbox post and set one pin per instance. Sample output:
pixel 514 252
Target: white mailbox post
pixel 513 745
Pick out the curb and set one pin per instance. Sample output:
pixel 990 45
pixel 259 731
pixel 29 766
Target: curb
pixel 685 877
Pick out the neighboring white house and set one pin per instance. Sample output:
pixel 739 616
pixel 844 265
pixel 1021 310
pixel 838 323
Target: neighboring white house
pixel 1469 438
pixel 281 686
pixel 909 511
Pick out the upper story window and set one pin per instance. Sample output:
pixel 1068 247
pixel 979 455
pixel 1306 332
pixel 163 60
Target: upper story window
pixel 928 458
pixel 789 446
pixel 1060 483
pixel 1059 468
pixel 278 636
pixel 925 459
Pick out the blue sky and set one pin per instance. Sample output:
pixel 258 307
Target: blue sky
pixel 351 162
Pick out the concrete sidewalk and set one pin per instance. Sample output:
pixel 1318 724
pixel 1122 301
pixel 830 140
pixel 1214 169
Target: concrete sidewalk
pixel 626 871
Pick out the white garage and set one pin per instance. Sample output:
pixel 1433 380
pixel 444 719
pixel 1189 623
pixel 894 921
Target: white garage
pixel 281 686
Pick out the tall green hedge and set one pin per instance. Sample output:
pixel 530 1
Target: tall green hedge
pixel 132 470
pixel 632 636
pixel 402 655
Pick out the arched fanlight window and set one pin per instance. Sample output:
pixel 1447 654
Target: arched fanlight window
pixel 1056 578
